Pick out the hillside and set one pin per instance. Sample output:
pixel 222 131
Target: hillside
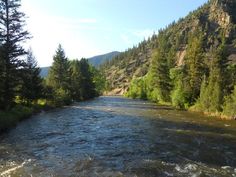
pixel 98 60
pixel 214 20
pixel 95 61
pixel 44 71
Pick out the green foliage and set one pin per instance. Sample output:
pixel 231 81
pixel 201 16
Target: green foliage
pixel 59 77
pixel 83 80
pixel 69 81
pixel 12 34
pixel 187 62
pixel 99 80
pixel 87 86
pixel 212 89
pixel 159 72
pixel 59 73
pixel 61 97
pixel 195 64
pixel 230 77
pixel 179 95
pixel 31 85
pixel 138 88
pixel 75 79
pixel 229 108
pixel 12 117
pixel 210 99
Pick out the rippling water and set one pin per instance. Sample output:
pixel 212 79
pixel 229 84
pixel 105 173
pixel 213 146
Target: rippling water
pixel 114 136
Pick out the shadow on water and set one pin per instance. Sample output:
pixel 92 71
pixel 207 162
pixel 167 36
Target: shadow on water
pixel 113 136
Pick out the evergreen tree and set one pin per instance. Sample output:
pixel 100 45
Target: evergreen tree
pixel 59 77
pixel 87 86
pixel 179 95
pixel 212 92
pixel 194 63
pixel 230 105
pixel 99 80
pixel 137 88
pixel 159 73
pixel 76 77
pixel 31 86
pixel 12 34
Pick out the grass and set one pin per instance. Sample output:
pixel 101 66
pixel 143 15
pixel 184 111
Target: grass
pixel 11 118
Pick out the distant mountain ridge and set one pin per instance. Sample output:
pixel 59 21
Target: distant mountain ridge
pixel 95 61
pixel 100 59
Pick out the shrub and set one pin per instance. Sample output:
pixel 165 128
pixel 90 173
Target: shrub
pixel 229 108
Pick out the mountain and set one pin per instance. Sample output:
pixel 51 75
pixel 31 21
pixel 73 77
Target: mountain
pixel 215 21
pixel 95 61
pixel 44 71
pixel 98 60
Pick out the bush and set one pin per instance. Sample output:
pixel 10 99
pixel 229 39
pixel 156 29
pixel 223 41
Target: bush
pixel 178 97
pixel 137 89
pixel 12 117
pixel 229 108
pixel 61 98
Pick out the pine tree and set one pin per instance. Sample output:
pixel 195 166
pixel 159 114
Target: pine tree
pixel 99 80
pixel 230 105
pixel 179 95
pixel 12 34
pixel 159 73
pixel 82 80
pixel 31 87
pixel 59 77
pixel 87 86
pixel 212 90
pixel 76 77
pixel 194 63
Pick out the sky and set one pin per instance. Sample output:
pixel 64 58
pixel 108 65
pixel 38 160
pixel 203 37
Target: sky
pixel 87 28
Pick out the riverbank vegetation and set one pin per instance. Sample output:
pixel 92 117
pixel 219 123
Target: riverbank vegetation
pixel 205 82
pixel 22 91
pixel 190 64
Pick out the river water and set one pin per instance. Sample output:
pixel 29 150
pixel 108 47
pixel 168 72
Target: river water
pixel 115 136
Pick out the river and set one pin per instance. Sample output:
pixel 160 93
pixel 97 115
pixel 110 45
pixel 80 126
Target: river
pixel 115 136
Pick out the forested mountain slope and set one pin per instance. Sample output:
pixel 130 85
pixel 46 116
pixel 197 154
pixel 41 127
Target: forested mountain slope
pixel 100 59
pixel 214 22
pixel 190 64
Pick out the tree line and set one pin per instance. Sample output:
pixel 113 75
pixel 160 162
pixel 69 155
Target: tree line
pixel 72 80
pixel 204 81
pixel 20 81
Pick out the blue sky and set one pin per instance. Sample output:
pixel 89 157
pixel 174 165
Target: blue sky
pixel 91 27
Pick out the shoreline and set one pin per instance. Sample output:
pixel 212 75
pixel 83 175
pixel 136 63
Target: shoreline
pixel 10 119
pixel 217 115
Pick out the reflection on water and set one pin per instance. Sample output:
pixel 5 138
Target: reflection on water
pixel 114 136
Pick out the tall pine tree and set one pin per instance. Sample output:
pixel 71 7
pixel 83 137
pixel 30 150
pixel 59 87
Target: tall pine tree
pixel 87 86
pixel 12 34
pixel 59 77
pixel 31 86
pixel 82 80
pixel 76 77
pixel 159 73
pixel 213 88
pixel 195 64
